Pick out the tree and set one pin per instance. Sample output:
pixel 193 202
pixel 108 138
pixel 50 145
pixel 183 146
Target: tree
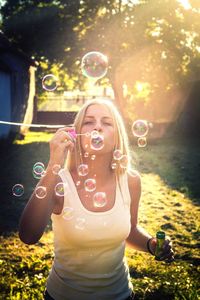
pixel 153 47
pixel 152 42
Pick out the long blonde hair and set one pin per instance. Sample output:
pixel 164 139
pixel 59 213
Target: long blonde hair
pixel 121 138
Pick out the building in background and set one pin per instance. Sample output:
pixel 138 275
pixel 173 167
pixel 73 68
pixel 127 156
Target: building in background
pixel 17 88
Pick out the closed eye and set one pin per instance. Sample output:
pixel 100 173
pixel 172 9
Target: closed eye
pixel 88 122
pixel 107 123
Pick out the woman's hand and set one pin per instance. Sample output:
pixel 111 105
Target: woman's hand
pixel 167 254
pixel 60 144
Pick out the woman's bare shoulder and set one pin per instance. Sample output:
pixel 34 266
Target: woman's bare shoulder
pixel 134 179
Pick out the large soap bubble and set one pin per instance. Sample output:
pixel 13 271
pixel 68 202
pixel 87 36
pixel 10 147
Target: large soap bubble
pixel 94 65
pixel 50 82
pixel 140 128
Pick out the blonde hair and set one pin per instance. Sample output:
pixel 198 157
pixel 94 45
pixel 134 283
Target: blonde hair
pixel 121 137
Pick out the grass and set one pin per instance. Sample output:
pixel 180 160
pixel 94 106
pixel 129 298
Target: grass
pixel 170 201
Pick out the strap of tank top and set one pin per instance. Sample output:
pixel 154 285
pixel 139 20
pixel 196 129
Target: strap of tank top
pixel 124 188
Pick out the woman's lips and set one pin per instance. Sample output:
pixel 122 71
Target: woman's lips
pixel 97 142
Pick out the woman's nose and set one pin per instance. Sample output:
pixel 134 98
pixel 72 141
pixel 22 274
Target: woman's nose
pixel 98 127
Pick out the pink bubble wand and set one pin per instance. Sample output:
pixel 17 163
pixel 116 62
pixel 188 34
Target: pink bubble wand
pixel 73 135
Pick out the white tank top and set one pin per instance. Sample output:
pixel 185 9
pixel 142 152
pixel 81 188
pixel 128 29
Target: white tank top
pixel 89 261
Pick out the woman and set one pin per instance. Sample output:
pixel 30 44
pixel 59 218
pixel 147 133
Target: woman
pixel 97 214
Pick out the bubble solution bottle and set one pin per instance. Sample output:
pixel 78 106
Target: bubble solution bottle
pixel 160 236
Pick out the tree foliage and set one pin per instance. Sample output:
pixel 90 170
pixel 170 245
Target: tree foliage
pixel 154 44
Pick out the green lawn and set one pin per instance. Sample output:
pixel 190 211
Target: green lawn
pixel 170 201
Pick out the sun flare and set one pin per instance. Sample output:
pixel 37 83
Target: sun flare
pixel 185 3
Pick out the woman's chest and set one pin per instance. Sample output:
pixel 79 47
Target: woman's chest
pixel 101 199
pixel 80 226
pixel 92 218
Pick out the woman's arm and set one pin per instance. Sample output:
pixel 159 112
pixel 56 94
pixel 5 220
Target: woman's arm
pixel 138 238
pixel 37 212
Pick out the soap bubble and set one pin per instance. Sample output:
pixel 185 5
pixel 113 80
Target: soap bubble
pixel 94 65
pixel 140 128
pixel 49 82
pixel 18 190
pixel 60 189
pixel 124 161
pixel 113 166
pixel 40 192
pixel 83 170
pixel 90 185
pixel 117 154
pixel 56 168
pixel 86 154
pixel 96 140
pixel 99 199
pixel 68 213
pixel 94 134
pixel 80 223
pixel 142 142
pixel 38 170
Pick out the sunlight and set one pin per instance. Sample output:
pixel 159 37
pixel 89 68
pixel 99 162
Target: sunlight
pixel 185 3
pixel 139 86
pixel 134 2
pixel 2 2
pixel 143 89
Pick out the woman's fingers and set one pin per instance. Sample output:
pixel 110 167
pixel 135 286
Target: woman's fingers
pixel 61 136
pixel 67 128
pixel 65 136
pixel 69 144
pixel 168 257
pixel 167 253
pixel 167 246
pixel 64 133
pixel 60 144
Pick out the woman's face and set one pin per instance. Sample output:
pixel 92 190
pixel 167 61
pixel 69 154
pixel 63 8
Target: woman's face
pixel 98 119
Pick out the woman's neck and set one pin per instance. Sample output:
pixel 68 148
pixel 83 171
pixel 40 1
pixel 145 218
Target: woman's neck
pixel 99 168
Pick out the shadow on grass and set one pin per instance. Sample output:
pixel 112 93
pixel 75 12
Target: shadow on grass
pixel 16 165
pixel 157 295
pixel 176 161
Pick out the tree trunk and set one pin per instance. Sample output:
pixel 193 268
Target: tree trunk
pixel 118 94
